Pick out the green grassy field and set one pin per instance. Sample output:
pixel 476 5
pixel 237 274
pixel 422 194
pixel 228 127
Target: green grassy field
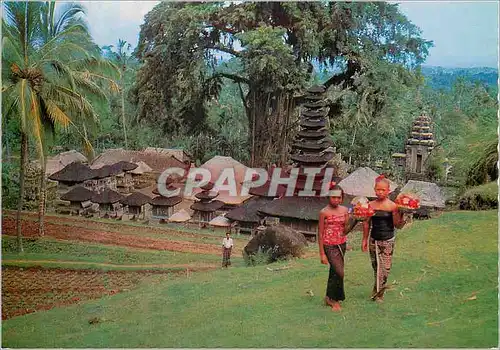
pixel 444 294
pixel 87 254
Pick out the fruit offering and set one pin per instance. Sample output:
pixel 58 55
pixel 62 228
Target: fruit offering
pixel 362 207
pixel 407 201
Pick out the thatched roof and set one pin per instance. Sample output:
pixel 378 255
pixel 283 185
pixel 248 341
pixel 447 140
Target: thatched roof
pixel 220 221
pixel 141 168
pixel 114 169
pixel 136 199
pixel 58 162
pixel 361 183
pixel 315 113
pixel 180 216
pixel 318 104
pixel 313 123
pixel 316 89
pixel 166 201
pixel 108 196
pixel 208 207
pixel 308 134
pixel 303 208
pixel 312 158
pixel 207 195
pixel 312 145
pixel 215 166
pixel 78 194
pixel 157 161
pixel 430 194
pixel 178 153
pixel 73 172
pixel 248 211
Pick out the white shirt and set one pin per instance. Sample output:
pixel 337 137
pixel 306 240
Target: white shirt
pixel 227 242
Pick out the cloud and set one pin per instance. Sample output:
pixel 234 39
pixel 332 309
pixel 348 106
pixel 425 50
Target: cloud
pixel 113 20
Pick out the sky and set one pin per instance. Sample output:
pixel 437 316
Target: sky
pixel 465 33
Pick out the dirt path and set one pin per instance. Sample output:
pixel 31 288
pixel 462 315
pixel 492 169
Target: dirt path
pixel 73 233
pixel 191 267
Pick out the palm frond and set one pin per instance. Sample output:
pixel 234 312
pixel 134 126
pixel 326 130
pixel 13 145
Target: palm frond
pixel 37 127
pixel 57 115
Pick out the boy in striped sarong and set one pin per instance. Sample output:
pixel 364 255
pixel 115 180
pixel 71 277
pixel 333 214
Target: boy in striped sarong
pixel 227 246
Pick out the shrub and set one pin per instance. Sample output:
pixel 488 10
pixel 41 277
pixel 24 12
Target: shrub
pixel 480 197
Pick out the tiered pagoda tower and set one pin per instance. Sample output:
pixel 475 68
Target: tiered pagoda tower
pixel 205 209
pixel 418 148
pixel 312 148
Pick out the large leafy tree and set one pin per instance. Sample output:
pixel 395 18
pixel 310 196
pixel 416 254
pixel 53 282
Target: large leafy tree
pixel 276 45
pixel 51 73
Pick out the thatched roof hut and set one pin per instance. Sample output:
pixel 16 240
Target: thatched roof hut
pixel 78 194
pixel 58 162
pixel 141 168
pixel 73 173
pixel 361 183
pixel 157 161
pixel 207 206
pixel 166 201
pixel 180 216
pixel 220 221
pixel 249 211
pixel 302 208
pixel 430 194
pixel 108 196
pixel 178 153
pixel 136 199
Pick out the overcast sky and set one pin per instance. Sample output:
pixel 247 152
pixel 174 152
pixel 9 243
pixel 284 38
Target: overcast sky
pixel 465 34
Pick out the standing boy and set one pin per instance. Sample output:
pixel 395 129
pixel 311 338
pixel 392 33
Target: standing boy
pixel 227 245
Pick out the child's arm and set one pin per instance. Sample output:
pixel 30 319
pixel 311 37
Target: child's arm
pixel 398 219
pixel 366 233
pixel 321 227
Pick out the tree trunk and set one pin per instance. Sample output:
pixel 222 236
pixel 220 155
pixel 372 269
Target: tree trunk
pixel 123 112
pixel 22 170
pixel 268 115
pixel 42 203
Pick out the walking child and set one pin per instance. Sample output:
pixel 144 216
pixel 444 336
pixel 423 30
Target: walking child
pixel 334 224
pixel 378 236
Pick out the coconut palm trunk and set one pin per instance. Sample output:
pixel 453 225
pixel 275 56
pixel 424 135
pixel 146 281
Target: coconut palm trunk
pixel 42 201
pixel 22 172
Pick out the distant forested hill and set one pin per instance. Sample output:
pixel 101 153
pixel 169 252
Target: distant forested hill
pixel 443 78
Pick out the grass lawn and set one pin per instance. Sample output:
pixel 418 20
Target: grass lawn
pixel 86 255
pixel 444 294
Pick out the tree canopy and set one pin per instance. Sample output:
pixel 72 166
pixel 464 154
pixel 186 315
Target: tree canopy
pixel 276 45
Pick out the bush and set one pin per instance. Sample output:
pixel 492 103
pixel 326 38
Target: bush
pixel 481 197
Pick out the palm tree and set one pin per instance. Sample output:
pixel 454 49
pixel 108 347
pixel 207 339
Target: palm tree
pixel 50 74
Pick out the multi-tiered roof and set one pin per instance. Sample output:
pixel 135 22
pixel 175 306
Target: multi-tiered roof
pixel 421 133
pixel 207 202
pixel 312 148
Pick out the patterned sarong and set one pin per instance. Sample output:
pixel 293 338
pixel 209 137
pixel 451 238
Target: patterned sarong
pixel 381 257
pixel 226 257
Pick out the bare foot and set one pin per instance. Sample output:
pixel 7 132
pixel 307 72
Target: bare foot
pixel 328 301
pixel 336 306
pixel 379 300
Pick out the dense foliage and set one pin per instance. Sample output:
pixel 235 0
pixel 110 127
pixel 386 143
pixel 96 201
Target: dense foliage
pixel 275 45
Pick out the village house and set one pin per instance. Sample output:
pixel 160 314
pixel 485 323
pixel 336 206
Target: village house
pixel 79 198
pixel 136 205
pixel 109 203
